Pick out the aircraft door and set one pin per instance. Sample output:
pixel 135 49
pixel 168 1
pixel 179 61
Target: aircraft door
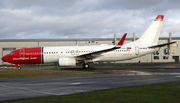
pixel 22 53
pixel 74 52
pixel 77 52
pixel 137 50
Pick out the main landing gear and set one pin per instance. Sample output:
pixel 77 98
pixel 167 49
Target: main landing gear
pixel 85 66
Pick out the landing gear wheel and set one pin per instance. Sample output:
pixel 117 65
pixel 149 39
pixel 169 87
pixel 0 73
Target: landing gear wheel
pixel 86 66
pixel 19 68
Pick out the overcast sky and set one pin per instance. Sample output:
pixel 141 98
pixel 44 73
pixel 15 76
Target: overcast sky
pixel 43 19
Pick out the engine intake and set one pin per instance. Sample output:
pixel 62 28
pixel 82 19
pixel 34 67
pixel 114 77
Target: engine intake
pixel 66 61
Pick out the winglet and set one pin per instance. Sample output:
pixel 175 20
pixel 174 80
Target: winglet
pixel 121 41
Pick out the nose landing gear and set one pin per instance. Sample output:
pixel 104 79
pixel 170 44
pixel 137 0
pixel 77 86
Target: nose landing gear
pixel 19 68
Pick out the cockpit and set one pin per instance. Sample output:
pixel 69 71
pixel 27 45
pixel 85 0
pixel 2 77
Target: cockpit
pixel 11 53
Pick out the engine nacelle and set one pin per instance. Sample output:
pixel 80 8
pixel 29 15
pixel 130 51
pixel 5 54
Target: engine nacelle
pixel 66 61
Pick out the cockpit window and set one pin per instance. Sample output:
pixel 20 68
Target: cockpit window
pixel 11 53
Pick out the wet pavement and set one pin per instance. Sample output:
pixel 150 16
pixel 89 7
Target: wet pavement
pixel 34 87
pixel 118 76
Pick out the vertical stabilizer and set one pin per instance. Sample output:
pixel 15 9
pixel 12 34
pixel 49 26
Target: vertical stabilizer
pixel 151 35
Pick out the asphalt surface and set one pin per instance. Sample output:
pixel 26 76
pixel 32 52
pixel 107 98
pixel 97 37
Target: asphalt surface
pixel 120 76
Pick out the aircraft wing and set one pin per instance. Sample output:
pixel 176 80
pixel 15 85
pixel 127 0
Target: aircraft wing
pixel 98 53
pixel 161 45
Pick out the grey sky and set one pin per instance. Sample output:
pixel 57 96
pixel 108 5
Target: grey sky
pixel 31 19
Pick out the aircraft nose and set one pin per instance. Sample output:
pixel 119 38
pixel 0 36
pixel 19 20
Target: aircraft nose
pixel 4 58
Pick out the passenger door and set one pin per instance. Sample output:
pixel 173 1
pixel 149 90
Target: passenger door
pixel 137 50
pixel 22 53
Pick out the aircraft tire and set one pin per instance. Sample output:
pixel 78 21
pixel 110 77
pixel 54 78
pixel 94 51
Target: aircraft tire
pixel 85 66
pixel 19 68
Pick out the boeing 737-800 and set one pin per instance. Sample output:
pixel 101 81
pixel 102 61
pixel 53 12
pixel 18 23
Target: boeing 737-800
pixel 72 55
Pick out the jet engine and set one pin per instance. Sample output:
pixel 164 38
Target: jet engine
pixel 66 61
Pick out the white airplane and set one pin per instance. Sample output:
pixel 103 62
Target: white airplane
pixel 72 55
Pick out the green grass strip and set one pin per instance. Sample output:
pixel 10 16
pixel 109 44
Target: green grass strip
pixel 38 73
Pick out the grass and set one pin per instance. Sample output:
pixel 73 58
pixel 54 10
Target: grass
pixel 37 73
pixel 159 93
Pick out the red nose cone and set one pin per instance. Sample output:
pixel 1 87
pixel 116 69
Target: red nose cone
pixel 4 58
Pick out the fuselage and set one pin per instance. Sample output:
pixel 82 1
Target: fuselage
pixel 38 55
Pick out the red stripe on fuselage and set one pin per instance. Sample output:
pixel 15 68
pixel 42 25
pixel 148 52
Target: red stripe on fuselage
pixel 25 56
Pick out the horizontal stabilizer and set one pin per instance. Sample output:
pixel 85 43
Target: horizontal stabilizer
pixel 161 45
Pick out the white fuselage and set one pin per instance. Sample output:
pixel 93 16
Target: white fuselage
pixel 52 54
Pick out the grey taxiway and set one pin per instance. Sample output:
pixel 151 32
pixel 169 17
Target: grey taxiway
pixel 34 87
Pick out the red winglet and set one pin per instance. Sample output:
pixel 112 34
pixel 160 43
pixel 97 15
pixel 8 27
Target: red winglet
pixel 160 17
pixel 121 41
